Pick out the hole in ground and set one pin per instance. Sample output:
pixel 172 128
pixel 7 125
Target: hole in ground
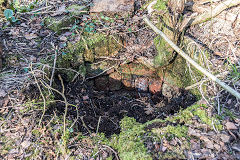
pixel 103 110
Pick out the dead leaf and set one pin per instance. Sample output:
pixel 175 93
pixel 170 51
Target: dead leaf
pixel 164 148
pixel 30 36
pixel 14 32
pixel 217 147
pixel 193 132
pixel 230 126
pixel 218 54
pixel 225 138
pixel 208 143
pixel 63 38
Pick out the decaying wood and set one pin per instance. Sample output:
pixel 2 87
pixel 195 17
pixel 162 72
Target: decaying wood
pixel 211 13
pixel 191 61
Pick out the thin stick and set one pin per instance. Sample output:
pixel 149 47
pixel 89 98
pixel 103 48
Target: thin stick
pixel 65 101
pixel 41 93
pixel 54 64
pixel 191 61
pixel 99 120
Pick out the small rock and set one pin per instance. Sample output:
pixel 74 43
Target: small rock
pixel 230 126
pixel 167 90
pixel 23 25
pixel 76 101
pixel 196 155
pixel 195 145
pixel 30 36
pixel 112 6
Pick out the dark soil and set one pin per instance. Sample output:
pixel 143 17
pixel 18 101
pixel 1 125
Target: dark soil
pixel 112 106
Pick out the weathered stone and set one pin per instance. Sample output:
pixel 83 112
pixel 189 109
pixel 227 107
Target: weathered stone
pixel 128 81
pixel 113 6
pixel 115 81
pixel 167 90
pixel 141 84
pixel 135 69
pixel 57 23
pixel 155 85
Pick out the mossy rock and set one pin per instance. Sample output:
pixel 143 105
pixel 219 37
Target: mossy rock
pixel 176 74
pixel 90 47
pixel 59 23
pixel 165 52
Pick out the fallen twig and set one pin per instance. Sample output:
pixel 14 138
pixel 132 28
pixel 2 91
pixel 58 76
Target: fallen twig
pixel 54 63
pixel 41 93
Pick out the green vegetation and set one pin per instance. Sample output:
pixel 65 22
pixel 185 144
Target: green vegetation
pixel 165 54
pixel 171 131
pixel 129 142
pixel 199 111
pixel 87 49
pixel 161 5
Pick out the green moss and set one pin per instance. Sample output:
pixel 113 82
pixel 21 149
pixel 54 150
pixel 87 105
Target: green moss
pixel 57 24
pixel 87 49
pixel 165 54
pixel 161 5
pixel 128 143
pixel 199 111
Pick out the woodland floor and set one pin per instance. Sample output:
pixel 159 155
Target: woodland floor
pixel 29 47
